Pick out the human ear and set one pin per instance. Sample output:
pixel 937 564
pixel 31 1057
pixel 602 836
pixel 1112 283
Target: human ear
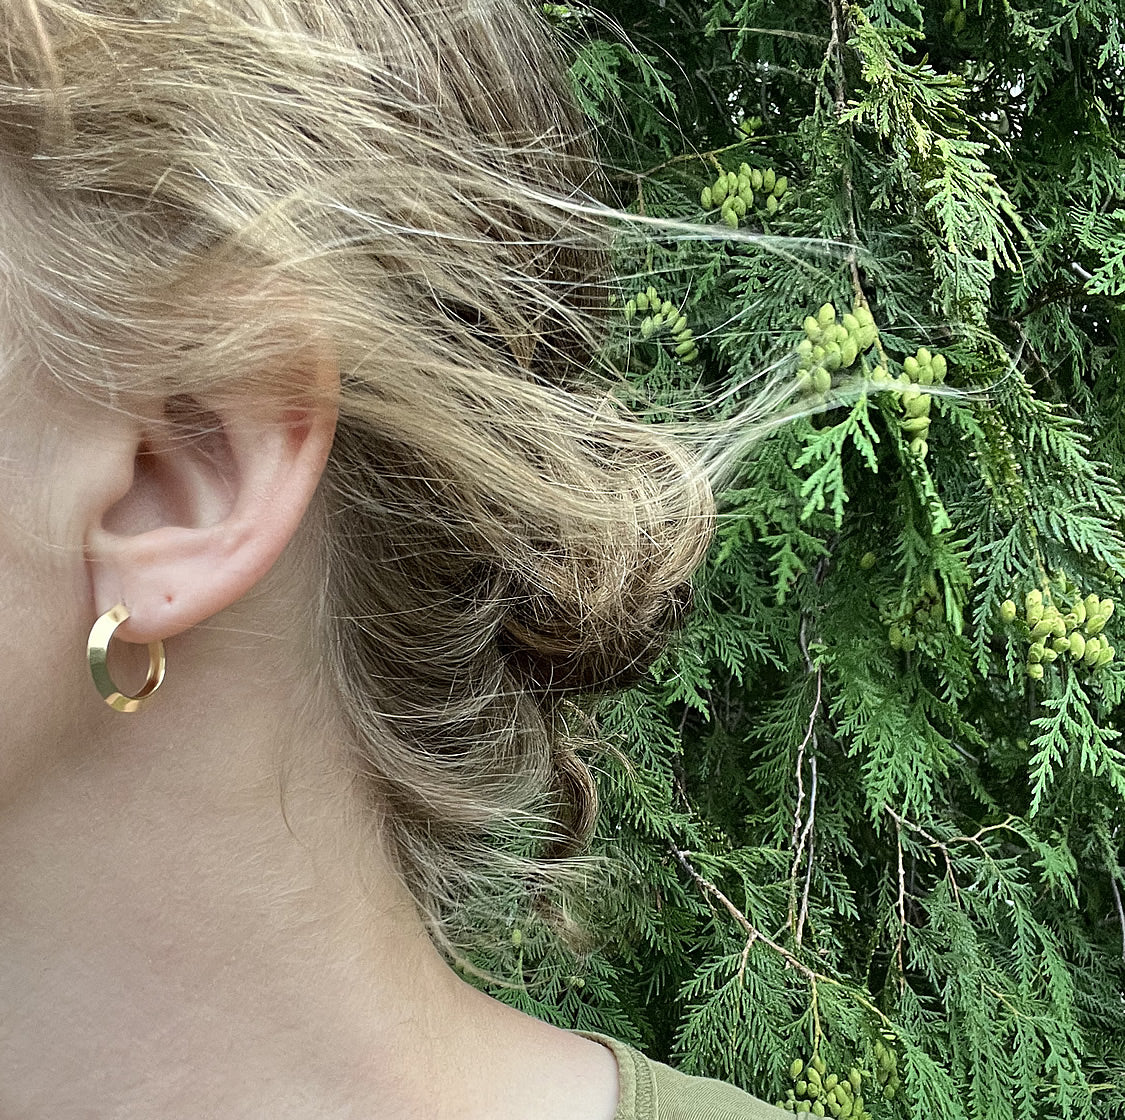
pixel 215 488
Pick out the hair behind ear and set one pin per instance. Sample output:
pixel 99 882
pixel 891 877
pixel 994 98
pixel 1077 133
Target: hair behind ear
pixel 499 537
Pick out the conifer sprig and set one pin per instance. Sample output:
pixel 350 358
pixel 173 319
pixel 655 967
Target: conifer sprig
pixel 873 810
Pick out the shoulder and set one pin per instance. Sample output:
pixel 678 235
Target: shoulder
pixel 653 1091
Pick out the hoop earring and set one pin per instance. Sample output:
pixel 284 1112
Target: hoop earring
pixel 97 649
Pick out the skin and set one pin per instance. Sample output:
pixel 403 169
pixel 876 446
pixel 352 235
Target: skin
pixel 197 918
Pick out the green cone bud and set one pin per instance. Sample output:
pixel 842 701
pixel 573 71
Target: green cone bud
pixel 867 561
pixel 850 323
pixel 795 1069
pixel 1035 672
pixel 1106 656
pixel 1093 605
pixel 802 1088
pixel 731 218
pixel 642 301
pixel 826 314
pixel 1061 645
pixel 822 380
pixel 849 351
pixel 910 367
pixel 920 406
pixel 705 198
pixel 1077 645
pixel 769 180
pixel 738 205
pixel 756 179
pixel 920 447
pixel 925 375
pixel 647 327
pixel 924 357
pixel 1041 629
pixel 1093 651
pixel 781 186
pixel 855 1079
pixel 653 297
pixel 771 205
pixel 939 367
pixel 1035 653
pixel 1050 655
pixel 678 325
pixel 915 424
pixel 630 309
pixel 685 347
pixel 517 937
pixel 1008 611
pixel 718 191
pixel 812 328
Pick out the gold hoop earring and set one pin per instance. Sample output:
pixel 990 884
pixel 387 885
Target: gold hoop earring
pixel 97 650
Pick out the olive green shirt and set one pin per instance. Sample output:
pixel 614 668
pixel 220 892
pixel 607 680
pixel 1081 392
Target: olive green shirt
pixel 653 1091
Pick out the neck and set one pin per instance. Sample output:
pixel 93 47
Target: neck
pixel 182 935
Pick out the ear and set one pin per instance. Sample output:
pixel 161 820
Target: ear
pixel 211 492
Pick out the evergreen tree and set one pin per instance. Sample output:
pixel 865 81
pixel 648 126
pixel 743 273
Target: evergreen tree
pixel 867 816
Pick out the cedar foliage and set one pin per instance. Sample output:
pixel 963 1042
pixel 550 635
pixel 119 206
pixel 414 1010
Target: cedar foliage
pixel 843 823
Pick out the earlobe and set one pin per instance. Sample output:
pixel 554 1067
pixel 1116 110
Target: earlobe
pixel 217 491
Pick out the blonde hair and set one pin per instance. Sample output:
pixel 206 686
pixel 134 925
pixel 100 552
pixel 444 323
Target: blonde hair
pixel 498 537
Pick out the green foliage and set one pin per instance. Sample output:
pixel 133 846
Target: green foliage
pixel 853 814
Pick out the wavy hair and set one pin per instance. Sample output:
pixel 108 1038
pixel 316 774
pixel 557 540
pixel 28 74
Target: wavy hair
pixel 495 536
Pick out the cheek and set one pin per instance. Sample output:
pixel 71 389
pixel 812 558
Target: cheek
pixel 43 597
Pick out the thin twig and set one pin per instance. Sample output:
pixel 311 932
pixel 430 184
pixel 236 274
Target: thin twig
pixel 901 911
pixel 754 934
pixel 1120 912
pixel 805 35
pixel 934 843
pixel 801 837
pixel 806 742
pixel 807 837
pixel 836 52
